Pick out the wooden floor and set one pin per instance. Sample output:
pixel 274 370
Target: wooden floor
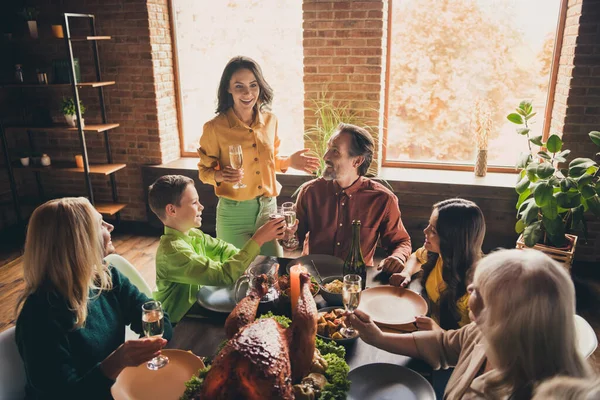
pixel 141 250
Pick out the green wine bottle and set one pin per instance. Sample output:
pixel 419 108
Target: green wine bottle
pixel 355 263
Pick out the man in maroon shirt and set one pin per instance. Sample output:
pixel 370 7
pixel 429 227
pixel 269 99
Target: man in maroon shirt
pixel 327 206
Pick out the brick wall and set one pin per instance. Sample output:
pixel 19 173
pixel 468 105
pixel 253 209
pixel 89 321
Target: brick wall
pixel 164 78
pixel 344 56
pixel 139 59
pixel 576 110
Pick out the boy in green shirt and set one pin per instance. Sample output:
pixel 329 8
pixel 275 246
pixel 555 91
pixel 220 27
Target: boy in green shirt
pixel 186 258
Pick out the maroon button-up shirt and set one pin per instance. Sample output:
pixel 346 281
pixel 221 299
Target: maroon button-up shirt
pixel 325 212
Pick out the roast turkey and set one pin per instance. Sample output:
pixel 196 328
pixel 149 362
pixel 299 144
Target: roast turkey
pixel 262 360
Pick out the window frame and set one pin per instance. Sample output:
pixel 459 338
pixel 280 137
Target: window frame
pixel 178 91
pixel 558 39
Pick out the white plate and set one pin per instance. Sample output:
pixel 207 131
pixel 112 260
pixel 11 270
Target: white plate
pixel 140 383
pixel 388 382
pixel 326 265
pixel 217 298
pixel 586 337
pixel 390 305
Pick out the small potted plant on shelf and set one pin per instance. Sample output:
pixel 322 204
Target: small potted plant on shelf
pixel 68 109
pixel 552 200
pixel 30 15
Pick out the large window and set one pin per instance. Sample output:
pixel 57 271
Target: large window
pixel 447 56
pixel 209 33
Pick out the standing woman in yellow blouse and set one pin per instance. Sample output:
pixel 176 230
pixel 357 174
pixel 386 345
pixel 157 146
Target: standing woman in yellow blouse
pixel 453 241
pixel 242 119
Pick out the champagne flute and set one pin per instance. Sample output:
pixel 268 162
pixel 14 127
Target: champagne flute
pixel 153 324
pixel 236 158
pixel 351 298
pixel 289 213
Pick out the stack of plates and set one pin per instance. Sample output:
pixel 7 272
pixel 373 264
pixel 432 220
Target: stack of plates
pixel 392 308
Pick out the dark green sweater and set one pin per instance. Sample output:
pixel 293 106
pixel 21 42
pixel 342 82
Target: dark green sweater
pixel 64 363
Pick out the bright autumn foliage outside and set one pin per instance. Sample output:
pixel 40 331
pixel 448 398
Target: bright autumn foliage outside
pixel 448 54
pixel 445 56
pixel 209 33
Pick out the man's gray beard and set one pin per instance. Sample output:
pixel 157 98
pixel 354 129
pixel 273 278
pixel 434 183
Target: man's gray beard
pixel 328 176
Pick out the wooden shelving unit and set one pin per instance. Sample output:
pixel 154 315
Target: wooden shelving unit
pixel 66 128
pixel 94 169
pixel 57 85
pixel 90 38
pixel 104 169
pixel 109 208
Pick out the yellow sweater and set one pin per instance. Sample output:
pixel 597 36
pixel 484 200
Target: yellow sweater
pixel 435 285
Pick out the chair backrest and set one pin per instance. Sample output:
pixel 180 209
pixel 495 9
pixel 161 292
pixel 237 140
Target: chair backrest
pixel 130 272
pixel 12 370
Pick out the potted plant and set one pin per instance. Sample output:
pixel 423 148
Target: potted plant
pixel 328 116
pixel 68 109
pixel 552 200
pixel 30 14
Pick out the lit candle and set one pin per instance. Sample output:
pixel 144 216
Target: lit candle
pixel 295 284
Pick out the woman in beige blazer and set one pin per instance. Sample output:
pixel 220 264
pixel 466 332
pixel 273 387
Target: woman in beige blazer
pixel 522 304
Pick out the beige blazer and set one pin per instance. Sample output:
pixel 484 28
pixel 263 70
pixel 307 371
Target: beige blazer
pixel 462 349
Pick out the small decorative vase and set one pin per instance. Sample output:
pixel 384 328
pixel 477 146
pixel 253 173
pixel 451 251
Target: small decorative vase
pixel 79 161
pixel 45 160
pixel 57 31
pixel 481 163
pixel 33 30
pixel 25 161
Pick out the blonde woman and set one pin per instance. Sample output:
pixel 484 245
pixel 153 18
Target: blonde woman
pixel 567 388
pixel 71 328
pixel 523 305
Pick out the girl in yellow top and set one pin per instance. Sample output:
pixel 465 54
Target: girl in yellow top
pixel 242 119
pixel 453 241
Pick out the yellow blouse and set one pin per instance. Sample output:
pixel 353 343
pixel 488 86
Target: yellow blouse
pixel 260 147
pixel 435 285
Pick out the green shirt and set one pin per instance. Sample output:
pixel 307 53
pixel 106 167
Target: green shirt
pixel 185 263
pixel 62 363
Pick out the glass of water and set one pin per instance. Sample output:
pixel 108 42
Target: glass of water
pixel 153 324
pixel 351 289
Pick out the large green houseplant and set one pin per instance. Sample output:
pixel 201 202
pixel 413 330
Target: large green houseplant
pixel 552 200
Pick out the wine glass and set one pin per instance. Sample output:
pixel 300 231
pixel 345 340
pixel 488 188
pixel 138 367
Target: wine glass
pixel 237 161
pixel 289 213
pixel 153 324
pixel 351 298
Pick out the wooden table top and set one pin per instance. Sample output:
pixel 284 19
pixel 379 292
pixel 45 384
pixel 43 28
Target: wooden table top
pixel 201 331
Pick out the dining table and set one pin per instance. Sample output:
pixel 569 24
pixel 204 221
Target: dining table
pixel 201 331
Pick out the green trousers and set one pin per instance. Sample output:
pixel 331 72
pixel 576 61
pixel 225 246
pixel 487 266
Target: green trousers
pixel 238 220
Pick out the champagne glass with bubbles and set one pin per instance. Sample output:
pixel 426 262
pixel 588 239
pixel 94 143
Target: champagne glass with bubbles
pixel 351 298
pixel 153 324
pixel 237 161
pixel 289 213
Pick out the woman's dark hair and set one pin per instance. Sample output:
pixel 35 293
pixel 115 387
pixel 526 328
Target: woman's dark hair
pixel 461 229
pixel 224 98
pixel 362 144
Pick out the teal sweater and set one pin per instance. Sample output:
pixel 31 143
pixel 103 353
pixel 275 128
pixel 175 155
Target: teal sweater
pixel 64 363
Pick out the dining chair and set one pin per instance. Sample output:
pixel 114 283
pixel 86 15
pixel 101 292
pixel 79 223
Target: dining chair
pixel 12 370
pixel 587 342
pixel 131 273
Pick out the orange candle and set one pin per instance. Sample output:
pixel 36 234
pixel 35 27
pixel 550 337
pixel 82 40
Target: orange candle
pixel 295 284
